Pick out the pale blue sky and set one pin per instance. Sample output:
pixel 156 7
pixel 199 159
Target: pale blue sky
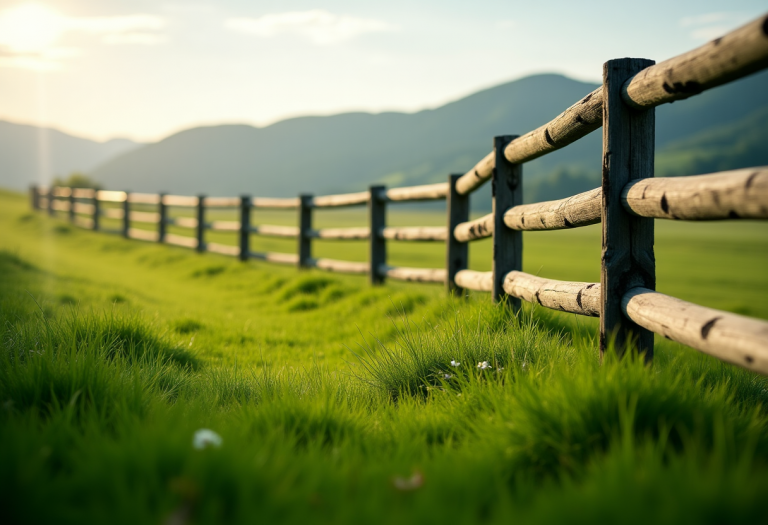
pixel 143 69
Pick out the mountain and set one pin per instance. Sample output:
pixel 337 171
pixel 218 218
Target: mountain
pixel 36 154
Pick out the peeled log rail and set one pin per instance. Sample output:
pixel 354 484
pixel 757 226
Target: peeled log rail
pixel 222 202
pixel 472 280
pixel 416 233
pixel 180 240
pixel 427 192
pixel 573 297
pixel 61 192
pixel 110 196
pixel 346 199
pixel 738 194
pixel 473 230
pixel 422 275
pixel 726 336
pixel 182 222
pixel 224 226
pixel 81 207
pixel 83 193
pixel 60 205
pixel 179 200
pixel 275 231
pixel 346 234
pixel 222 249
pixel 144 198
pixel 144 216
pixel 282 258
pixel 580 210
pixel 730 57
pixel 332 265
pixel 266 202
pixel 142 235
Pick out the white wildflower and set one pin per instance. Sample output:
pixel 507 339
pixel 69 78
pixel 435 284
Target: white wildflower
pixel 525 365
pixel 205 438
pixel 484 365
pixel 447 376
pixel 455 363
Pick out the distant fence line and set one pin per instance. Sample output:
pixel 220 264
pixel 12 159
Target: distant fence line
pixel 626 204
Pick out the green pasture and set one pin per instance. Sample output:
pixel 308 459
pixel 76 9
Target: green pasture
pixel 337 402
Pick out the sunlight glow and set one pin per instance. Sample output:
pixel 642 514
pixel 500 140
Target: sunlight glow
pixel 30 28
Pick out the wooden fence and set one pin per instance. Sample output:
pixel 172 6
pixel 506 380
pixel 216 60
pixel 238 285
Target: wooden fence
pixel 626 204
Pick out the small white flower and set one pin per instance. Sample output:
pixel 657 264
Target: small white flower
pixel 205 438
pixel 500 369
pixel 525 365
pixel 484 365
pixel 447 376
pixel 455 363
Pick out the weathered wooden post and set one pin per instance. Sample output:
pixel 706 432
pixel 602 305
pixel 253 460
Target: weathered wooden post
pixel 162 225
pixel 71 205
pixel 127 215
pixel 96 209
pixel 305 228
pixel 245 227
pixel 456 253
pixel 377 219
pixel 507 188
pixel 200 223
pixel 627 257
pixel 34 197
pixel 51 198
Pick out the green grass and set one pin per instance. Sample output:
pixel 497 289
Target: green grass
pixel 331 397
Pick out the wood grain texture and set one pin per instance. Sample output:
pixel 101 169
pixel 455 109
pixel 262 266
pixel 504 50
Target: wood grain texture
pixel 377 246
pixel 476 229
pixel 223 249
pixel 472 280
pixel 426 192
pixel 735 55
pixel 627 258
pixel 333 265
pixel 422 275
pixel 726 336
pixel 507 244
pixel 580 210
pixel 346 199
pixel 342 234
pixel 738 194
pixel 456 252
pixel 415 233
pixel 266 202
pixel 573 297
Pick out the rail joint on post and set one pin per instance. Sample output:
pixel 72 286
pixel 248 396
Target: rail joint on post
pixel 507 188
pixel 377 221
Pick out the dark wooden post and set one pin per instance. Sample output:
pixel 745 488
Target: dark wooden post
pixel 305 226
pixel 34 197
pixel 71 204
pixel 627 257
pixel 51 193
pixel 507 191
pixel 200 223
pixel 245 227
pixel 377 220
pixel 96 209
pixel 127 215
pixel 456 253
pixel 162 225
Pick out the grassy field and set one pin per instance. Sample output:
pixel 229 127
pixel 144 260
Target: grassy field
pixel 338 403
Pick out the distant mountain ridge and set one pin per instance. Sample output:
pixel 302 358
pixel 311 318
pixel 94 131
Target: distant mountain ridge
pixel 348 152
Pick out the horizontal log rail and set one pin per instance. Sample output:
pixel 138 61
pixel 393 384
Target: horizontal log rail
pixel 180 200
pixel 112 213
pixel 59 191
pixel 265 202
pixel 415 233
pixel 180 240
pixel 472 280
pixel 421 275
pixel 270 230
pixel 60 205
pixel 580 210
pixel 474 230
pixel 729 337
pixel 83 208
pixel 111 196
pixel 222 249
pixel 428 192
pixel 142 235
pixel 573 297
pixel 224 226
pixel 83 193
pixel 346 199
pixel 275 257
pixel 340 233
pixel 182 222
pixel 144 216
pixel 221 202
pixel 332 265
pixel 144 198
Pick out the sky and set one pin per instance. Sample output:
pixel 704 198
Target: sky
pixel 144 69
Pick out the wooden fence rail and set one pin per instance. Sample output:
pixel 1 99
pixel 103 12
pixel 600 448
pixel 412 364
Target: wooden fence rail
pixel 626 204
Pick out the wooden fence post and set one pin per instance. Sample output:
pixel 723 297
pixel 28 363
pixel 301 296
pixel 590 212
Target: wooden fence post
pixel 127 215
pixel 200 223
pixel 96 209
pixel 162 225
pixel 71 204
pixel 507 191
pixel 51 198
pixel 305 227
pixel 627 257
pixel 456 253
pixel 245 227
pixel 377 220
pixel 34 197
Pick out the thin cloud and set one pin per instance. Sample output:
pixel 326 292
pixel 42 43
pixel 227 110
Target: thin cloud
pixel 318 26
pixel 29 34
pixel 709 26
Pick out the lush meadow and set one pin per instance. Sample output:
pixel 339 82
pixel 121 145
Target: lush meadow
pixel 339 403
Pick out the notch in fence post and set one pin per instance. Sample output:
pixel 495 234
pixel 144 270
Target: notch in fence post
pixel 71 204
pixel 456 253
pixel 507 188
pixel 627 259
pixel 127 215
pixel 162 224
pixel 305 226
pixel 96 209
pixel 377 220
pixel 200 223
pixel 245 227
